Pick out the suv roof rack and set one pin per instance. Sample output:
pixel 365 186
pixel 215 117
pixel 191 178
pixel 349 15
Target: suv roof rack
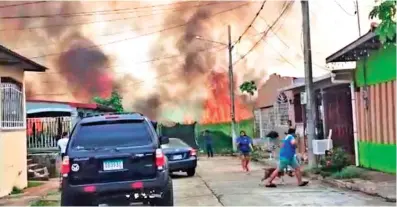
pixel 113 113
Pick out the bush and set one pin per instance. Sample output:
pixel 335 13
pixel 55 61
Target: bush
pixel 16 190
pixel 336 161
pixel 349 172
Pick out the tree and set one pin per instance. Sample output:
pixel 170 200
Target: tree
pixel 386 13
pixel 248 87
pixel 114 101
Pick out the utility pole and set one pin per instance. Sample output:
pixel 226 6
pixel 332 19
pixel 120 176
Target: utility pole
pixel 353 97
pixel 358 19
pixel 231 87
pixel 310 105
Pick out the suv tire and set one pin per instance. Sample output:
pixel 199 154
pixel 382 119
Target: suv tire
pixel 191 172
pixel 168 196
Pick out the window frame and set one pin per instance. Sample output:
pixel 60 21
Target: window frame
pixel 19 87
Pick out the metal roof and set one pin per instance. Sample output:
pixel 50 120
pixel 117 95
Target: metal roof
pixel 32 66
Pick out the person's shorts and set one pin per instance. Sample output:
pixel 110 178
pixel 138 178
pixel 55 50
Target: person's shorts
pixel 244 153
pixel 62 156
pixel 284 163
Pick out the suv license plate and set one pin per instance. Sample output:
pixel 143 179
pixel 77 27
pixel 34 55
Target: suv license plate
pixel 177 157
pixel 112 165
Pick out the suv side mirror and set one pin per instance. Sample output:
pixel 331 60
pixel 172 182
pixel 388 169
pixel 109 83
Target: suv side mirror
pixel 164 140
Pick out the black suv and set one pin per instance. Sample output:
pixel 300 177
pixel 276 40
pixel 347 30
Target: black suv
pixel 115 158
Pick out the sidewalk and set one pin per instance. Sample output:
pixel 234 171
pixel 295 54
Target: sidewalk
pixel 378 184
pixel 31 194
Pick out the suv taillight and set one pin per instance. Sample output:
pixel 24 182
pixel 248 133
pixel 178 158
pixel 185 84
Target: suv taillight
pixel 160 160
pixel 65 166
pixel 193 152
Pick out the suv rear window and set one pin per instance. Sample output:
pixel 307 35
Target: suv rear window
pixel 111 134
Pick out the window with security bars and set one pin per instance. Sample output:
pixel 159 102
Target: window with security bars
pixel 12 115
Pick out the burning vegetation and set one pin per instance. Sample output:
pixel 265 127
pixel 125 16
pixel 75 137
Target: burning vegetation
pixel 182 78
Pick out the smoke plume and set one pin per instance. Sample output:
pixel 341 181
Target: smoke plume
pixel 185 78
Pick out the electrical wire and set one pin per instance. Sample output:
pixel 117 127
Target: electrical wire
pixel 102 35
pixel 150 33
pixel 285 44
pixel 135 83
pixel 252 22
pixel 91 22
pixel 340 6
pixel 22 4
pixel 101 12
pixel 264 34
pixel 146 61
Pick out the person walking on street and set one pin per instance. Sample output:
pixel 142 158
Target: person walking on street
pixel 62 143
pixel 208 143
pixel 244 145
pixel 288 158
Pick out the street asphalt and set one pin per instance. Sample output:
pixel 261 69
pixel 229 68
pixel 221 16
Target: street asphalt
pixel 220 181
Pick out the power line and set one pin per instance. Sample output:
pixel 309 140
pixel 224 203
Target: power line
pixel 91 22
pixel 146 61
pixel 252 22
pixel 264 33
pixel 22 4
pixel 102 35
pixel 285 44
pixel 161 75
pixel 162 30
pixel 340 6
pixel 91 13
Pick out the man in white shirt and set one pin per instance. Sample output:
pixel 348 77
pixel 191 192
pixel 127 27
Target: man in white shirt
pixel 62 143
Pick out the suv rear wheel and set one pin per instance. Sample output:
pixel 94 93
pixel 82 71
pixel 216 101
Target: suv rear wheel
pixel 191 172
pixel 168 196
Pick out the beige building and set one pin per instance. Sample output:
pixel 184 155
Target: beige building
pixel 13 153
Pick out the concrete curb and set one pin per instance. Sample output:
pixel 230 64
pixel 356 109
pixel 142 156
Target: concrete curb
pixel 352 186
pixel 340 184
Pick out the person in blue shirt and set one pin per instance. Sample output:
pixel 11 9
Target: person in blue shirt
pixel 244 145
pixel 208 143
pixel 288 158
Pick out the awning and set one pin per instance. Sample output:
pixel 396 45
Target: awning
pixel 360 48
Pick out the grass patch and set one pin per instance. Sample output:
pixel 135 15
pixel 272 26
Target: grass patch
pixel 45 203
pixel 349 172
pixel 34 184
pixel 16 190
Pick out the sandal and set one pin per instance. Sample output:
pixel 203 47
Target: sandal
pixel 304 183
pixel 271 185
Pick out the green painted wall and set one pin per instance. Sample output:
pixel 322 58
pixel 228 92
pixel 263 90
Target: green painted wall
pixel 381 67
pixel 376 156
pixel 221 134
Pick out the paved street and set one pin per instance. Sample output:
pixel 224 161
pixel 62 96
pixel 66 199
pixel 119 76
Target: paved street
pixel 220 182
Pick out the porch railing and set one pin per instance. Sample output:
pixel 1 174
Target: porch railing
pixel 43 133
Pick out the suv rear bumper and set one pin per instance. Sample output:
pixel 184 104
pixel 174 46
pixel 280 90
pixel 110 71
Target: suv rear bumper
pixel 148 186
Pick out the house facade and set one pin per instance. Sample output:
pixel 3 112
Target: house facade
pixel 13 162
pixel 273 107
pixel 375 100
pixel 333 110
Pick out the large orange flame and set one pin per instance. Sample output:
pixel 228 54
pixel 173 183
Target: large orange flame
pixel 217 108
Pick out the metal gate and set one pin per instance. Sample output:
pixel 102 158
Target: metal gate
pixel 272 118
pixel 43 133
pixel 338 116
